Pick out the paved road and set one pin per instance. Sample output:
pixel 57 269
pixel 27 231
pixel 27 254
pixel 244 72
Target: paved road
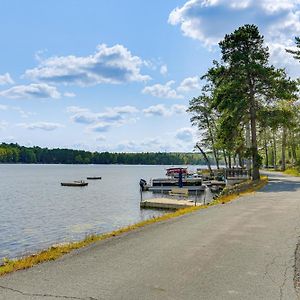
pixel 241 250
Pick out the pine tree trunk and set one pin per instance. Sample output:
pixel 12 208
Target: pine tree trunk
pixel 206 158
pixel 229 160
pixel 266 153
pixel 241 163
pixel 275 151
pixel 248 145
pixel 294 153
pixel 255 171
pixel 283 149
pixel 212 143
pixel 255 162
pixel 234 160
pixel 225 158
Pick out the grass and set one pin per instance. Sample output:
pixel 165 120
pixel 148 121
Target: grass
pixel 58 251
pixel 292 171
pixel 288 171
pixel 255 186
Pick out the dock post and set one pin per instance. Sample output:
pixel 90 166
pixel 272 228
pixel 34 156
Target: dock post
pixel 141 193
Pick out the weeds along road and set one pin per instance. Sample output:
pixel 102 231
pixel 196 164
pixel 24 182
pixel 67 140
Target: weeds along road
pixel 241 250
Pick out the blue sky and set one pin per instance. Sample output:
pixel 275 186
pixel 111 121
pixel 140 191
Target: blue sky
pixel 118 75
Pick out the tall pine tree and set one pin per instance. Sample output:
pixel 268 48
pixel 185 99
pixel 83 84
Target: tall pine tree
pixel 244 81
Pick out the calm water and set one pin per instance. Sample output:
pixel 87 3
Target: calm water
pixel 37 212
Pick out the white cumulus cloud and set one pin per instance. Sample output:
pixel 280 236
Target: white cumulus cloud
pixel 47 126
pixel 69 94
pixel 179 108
pixel 103 121
pixel 189 84
pixel 169 91
pixel 156 110
pixel 186 134
pixel 113 64
pixel 101 127
pixel 33 90
pixel 23 113
pixel 163 70
pixel 76 109
pixel 162 110
pixel 100 138
pixel 209 20
pixel 162 90
pixel 6 79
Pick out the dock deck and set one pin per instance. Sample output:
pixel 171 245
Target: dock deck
pixel 214 183
pixel 167 203
pixel 165 189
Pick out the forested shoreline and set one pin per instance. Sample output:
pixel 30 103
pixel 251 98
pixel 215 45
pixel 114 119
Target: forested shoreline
pixel 14 153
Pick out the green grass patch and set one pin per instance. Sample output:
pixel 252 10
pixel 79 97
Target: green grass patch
pixel 55 252
pixel 292 171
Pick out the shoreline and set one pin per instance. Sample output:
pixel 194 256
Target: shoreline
pixel 57 251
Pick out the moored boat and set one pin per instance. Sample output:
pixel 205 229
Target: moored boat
pixel 74 183
pixel 167 184
pixel 176 177
pixel 174 172
pixel 174 182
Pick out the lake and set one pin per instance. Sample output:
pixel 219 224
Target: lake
pixel 37 212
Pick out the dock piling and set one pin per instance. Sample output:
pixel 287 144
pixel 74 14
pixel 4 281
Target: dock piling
pixel 141 193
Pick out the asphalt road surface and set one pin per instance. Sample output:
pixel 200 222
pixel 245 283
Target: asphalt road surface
pixel 241 250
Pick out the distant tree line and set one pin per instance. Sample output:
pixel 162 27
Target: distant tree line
pixel 14 153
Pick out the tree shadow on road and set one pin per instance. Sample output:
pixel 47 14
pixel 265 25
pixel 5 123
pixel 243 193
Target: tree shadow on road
pixel 281 185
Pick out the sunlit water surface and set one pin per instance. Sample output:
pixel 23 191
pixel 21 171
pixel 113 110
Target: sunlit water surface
pixel 36 211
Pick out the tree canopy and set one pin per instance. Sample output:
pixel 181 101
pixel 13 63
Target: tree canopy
pixel 240 92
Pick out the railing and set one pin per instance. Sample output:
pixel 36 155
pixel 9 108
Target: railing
pixel 236 172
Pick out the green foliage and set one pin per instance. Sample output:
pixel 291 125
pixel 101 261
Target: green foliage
pixel 296 53
pixel 13 153
pixel 243 97
pixel 204 117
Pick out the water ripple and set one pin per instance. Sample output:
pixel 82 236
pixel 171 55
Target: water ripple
pixel 37 212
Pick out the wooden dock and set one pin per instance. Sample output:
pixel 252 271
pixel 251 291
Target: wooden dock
pixel 167 203
pixel 166 189
pixel 214 183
